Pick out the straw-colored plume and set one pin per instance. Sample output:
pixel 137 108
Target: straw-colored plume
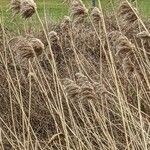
pixel 53 36
pixel 120 43
pixel 25 49
pixel 81 78
pixel 71 88
pixel 127 13
pixel 127 17
pixel 15 5
pixel 27 8
pixel 78 8
pixel 143 35
pixel 87 91
pixel 78 11
pixel 37 45
pixel 96 14
pixel 66 23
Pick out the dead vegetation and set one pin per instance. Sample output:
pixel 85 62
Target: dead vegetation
pixel 82 84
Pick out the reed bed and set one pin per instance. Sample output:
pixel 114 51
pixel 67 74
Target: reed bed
pixel 81 84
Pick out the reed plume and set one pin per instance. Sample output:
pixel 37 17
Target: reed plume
pixel 66 23
pixel 96 14
pixel 71 89
pixel 127 18
pixel 143 35
pixel 25 49
pixel 27 8
pixel 53 36
pixel 127 13
pixel 81 78
pixel 120 43
pixel 78 11
pixel 15 5
pixel 87 92
pixel 37 45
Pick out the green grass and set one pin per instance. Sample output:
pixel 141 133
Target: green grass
pixel 54 10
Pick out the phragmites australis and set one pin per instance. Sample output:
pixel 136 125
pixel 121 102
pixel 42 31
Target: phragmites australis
pixel 143 35
pixel 25 7
pixel 96 14
pixel 81 78
pixel 28 8
pixel 78 11
pixel 65 25
pixel 87 89
pixel 53 36
pixel 15 5
pixel 37 45
pixel 127 17
pixel 121 47
pixel 25 49
pixel 71 88
pixel 120 43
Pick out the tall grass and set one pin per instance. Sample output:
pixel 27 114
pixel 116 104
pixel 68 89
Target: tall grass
pixel 81 84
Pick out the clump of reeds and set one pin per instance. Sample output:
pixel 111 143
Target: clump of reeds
pixel 25 7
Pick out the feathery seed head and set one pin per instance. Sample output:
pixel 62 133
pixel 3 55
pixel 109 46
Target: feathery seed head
pixel 87 91
pixel 143 35
pixel 126 13
pixel 53 36
pixel 15 5
pixel 65 23
pixel 96 14
pixel 81 78
pixel 37 45
pixel 71 88
pixel 24 49
pixel 27 8
pixel 78 8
